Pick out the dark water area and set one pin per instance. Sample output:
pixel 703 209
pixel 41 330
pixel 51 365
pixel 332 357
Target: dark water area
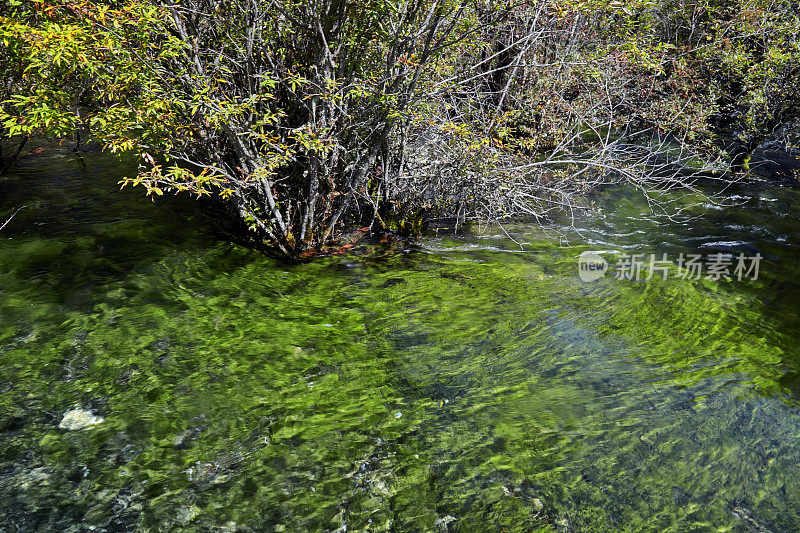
pixel 156 378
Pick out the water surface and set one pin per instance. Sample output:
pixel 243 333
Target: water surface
pixel 468 383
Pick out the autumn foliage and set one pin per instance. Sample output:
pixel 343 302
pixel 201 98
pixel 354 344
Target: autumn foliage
pixel 310 119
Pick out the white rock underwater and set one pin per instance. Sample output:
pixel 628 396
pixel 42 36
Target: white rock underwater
pixel 76 419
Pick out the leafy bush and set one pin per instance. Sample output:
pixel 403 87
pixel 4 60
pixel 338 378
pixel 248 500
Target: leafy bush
pixel 310 119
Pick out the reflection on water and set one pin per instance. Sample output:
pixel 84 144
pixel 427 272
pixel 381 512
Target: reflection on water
pixel 465 385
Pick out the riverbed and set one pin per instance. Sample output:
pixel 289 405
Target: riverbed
pixel 465 382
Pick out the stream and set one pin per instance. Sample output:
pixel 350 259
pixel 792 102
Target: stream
pixel 467 382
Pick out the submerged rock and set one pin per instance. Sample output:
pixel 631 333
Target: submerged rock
pixel 76 419
pixel 37 476
pixel 564 524
pixel 187 515
pixel 442 524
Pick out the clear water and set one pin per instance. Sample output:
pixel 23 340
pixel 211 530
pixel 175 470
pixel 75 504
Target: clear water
pixel 462 385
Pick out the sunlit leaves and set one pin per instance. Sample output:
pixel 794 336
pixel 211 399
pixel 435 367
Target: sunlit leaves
pixel 295 113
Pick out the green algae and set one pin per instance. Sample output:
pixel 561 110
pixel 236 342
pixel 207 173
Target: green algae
pixel 466 385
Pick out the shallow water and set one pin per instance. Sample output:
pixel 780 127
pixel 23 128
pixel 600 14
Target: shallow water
pixel 469 383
